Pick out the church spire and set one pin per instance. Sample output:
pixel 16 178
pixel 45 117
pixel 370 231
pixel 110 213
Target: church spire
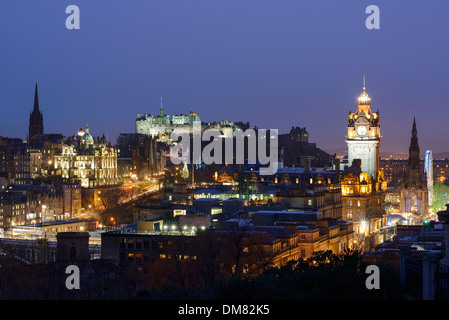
pixel 36 100
pixel 36 124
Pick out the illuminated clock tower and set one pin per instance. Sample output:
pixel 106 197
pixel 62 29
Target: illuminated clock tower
pixel 363 138
pixel 363 185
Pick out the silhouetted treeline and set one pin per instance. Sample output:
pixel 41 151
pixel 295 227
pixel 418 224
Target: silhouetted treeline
pixel 323 276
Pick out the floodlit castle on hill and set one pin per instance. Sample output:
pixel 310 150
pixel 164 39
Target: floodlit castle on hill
pixel 162 124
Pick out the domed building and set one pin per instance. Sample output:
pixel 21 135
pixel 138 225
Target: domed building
pixel 83 159
pixel 86 140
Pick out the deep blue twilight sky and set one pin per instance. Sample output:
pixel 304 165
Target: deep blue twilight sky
pixel 276 64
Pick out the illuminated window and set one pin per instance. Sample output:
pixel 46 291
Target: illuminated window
pixel 130 243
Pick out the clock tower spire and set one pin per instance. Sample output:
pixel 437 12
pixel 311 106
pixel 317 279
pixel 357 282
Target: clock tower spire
pixel 363 138
pixel 363 185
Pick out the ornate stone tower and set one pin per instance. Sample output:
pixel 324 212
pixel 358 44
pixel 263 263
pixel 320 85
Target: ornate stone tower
pixel 36 124
pixel 414 181
pixel 363 186
pixel 363 138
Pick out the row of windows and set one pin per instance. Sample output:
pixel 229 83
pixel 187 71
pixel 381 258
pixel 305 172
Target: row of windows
pixel 18 212
pixel 139 258
pixel 139 244
pixel 350 203
pixel 179 257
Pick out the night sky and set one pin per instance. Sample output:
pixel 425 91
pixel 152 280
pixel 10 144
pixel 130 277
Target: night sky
pixel 276 64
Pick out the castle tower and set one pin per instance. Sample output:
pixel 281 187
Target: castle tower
pixel 36 124
pixel 363 138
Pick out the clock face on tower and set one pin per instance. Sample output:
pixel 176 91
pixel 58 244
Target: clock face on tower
pixel 363 136
pixel 361 130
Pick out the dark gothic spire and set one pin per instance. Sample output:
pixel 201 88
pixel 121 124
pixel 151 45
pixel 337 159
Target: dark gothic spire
pixel 36 124
pixel 414 168
pixel 414 131
pixel 36 100
pixel 414 145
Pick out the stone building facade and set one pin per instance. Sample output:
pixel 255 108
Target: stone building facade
pixel 363 185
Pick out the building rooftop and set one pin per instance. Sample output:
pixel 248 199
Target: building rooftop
pixel 208 191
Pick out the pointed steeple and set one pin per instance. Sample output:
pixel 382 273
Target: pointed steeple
pixel 36 124
pixel 36 100
pixel 414 131
pixel 414 162
pixel 414 145
pixel 414 181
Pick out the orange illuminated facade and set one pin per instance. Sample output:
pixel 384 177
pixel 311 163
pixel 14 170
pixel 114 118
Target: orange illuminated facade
pixel 363 185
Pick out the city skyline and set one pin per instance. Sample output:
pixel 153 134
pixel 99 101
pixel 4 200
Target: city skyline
pixel 296 64
pixel 224 150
